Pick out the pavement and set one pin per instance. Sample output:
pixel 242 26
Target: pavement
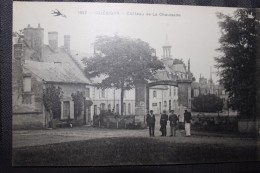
pixel 23 138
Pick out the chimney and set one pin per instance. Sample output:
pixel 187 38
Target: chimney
pixel 33 38
pixel 53 41
pixel 67 43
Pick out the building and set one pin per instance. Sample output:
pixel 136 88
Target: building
pixel 36 66
pixel 205 86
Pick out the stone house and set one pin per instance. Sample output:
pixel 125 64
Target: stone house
pixel 34 67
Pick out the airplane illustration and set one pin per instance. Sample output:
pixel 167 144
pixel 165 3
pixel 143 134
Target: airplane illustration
pixel 58 13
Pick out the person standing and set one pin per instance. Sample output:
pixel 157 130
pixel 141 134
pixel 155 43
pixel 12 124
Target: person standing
pixel 173 118
pixel 187 119
pixel 163 122
pixel 150 120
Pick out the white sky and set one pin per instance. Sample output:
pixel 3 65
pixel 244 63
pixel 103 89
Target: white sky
pixel 194 34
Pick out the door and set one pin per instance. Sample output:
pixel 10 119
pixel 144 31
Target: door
pixel 66 109
pixel 87 114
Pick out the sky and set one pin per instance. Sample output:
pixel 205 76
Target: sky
pixel 192 32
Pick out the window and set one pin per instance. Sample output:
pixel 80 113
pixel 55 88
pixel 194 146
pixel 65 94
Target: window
pixel 102 106
pixel 87 94
pixel 109 106
pixel 154 94
pixel 117 108
pixel 170 91
pixel 27 84
pixel 154 104
pixel 66 110
pixel 196 92
pixel 129 108
pixel 165 103
pixel 103 93
pixel 174 91
pixel 124 108
pixel 95 109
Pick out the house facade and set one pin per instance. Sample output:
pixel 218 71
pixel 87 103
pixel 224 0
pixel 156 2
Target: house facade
pixel 37 66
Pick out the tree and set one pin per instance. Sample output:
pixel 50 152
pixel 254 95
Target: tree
pixel 207 103
pixel 78 99
pixel 237 62
pixel 122 62
pixel 52 100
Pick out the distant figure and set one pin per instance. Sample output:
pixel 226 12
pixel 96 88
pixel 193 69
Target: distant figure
pixel 150 120
pixel 58 13
pixel 163 122
pixel 187 119
pixel 174 119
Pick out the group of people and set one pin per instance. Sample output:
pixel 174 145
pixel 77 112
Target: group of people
pixel 172 118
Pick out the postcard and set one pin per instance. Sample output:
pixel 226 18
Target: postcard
pixel 102 84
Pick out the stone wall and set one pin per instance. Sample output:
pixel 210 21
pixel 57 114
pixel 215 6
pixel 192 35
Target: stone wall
pixel 28 121
pixel 184 93
pixel 247 126
pixel 140 99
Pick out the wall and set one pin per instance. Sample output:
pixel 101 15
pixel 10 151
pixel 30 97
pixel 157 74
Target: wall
pixel 247 126
pixel 27 107
pixel 163 95
pixel 112 97
pixel 28 121
pixel 68 90
pixel 184 93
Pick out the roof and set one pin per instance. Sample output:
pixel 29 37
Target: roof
pixel 55 72
pixel 171 67
pixel 79 56
pixel 162 75
pixel 57 66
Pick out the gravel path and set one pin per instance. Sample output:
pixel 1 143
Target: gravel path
pixel 23 138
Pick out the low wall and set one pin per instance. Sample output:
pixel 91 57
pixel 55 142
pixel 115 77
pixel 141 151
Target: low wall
pixel 28 121
pixel 246 126
pixel 122 122
pixel 212 123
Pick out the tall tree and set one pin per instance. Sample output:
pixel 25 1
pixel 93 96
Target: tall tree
pixel 122 61
pixel 238 59
pixel 52 100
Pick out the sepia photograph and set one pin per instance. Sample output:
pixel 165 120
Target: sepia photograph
pixel 109 84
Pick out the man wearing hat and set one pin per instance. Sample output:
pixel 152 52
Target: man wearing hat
pixel 150 120
pixel 187 119
pixel 163 122
pixel 173 118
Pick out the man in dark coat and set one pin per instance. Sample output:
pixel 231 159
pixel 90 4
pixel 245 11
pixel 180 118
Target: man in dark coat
pixel 187 119
pixel 173 118
pixel 163 122
pixel 150 120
